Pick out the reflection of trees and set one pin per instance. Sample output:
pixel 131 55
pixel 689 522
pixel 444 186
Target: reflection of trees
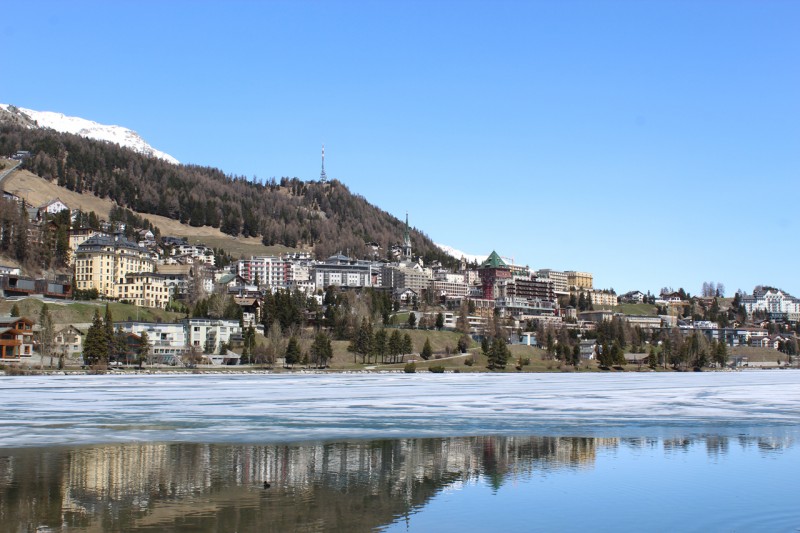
pixel 354 486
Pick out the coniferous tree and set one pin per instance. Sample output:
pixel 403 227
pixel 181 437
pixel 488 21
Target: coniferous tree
pixel 143 353
pixel 427 351
pixel 321 350
pixel 498 354
pixel 395 344
pixel 292 356
pixel 407 345
pixel 380 344
pixel 95 347
pixel 47 334
pixel 361 344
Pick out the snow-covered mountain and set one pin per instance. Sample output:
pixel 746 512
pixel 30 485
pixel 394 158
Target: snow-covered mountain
pixel 87 128
pixel 458 254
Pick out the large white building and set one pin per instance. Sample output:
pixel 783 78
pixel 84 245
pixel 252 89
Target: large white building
pixel 343 271
pixel 558 278
pixel 776 303
pixel 271 271
pixel 202 333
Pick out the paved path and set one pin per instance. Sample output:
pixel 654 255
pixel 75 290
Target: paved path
pixel 6 173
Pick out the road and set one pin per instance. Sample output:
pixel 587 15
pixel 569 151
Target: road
pixel 6 173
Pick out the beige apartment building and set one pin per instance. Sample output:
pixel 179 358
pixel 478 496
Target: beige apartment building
pixel 144 289
pixel 581 280
pixel 102 262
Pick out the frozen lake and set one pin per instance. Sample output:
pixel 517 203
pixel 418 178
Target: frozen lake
pixel 425 452
pixel 55 410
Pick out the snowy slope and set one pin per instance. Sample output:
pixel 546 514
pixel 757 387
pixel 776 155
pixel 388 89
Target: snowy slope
pixel 458 254
pixel 92 130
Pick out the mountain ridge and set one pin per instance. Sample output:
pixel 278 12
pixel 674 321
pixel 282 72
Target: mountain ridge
pixel 90 129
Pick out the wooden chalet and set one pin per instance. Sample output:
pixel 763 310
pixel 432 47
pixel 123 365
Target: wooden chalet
pixel 16 337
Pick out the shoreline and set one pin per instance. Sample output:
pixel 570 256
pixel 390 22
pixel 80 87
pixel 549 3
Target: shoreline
pixel 266 371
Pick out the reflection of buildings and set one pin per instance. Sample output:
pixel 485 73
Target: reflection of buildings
pixel 355 486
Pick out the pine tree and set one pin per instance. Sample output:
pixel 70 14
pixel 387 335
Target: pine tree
pixel 407 345
pixel 427 351
pixel 498 354
pixel 362 342
pixel 95 347
pixel 321 350
pixel 15 310
pixel 412 320
pixel 47 333
pixel 380 344
pixel 721 354
pixel 439 321
pixel 395 344
pixel 143 353
pixel 292 352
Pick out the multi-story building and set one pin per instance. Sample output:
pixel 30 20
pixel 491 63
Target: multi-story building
pixel 346 272
pixel 16 337
pixel 69 341
pixel 208 334
pixel 774 302
pixel 537 288
pixel 144 289
pixel 271 271
pixel 405 276
pixel 558 278
pixel 102 262
pixel 167 341
pixel 449 289
pixel 199 252
pixel 581 280
pixel 78 237
pixel 605 298
pixel 494 272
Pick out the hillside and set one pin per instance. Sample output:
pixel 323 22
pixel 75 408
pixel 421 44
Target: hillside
pixel 37 191
pixel 206 203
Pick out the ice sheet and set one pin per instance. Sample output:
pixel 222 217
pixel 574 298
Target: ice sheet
pixel 39 410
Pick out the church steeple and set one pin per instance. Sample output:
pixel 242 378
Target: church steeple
pixel 322 176
pixel 407 241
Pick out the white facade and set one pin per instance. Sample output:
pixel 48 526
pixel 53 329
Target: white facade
pixel 774 302
pixel 203 331
pixel 272 271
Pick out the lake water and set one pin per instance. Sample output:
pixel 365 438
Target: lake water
pixel 560 452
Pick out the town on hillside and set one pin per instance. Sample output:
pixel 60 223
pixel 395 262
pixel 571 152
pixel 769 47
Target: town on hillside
pixel 288 308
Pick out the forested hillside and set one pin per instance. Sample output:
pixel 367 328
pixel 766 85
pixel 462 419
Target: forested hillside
pixel 325 217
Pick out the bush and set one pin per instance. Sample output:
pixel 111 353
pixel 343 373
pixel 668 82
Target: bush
pixel 437 369
pixel 525 361
pixel 410 368
pixel 15 370
pixel 468 361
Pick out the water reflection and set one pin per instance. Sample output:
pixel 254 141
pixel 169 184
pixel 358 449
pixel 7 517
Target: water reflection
pixel 347 486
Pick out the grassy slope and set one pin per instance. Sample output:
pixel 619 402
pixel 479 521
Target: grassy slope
pixel 82 312
pixel 37 191
pixel 630 309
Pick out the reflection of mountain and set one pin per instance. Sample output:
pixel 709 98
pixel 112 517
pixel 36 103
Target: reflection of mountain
pixel 353 486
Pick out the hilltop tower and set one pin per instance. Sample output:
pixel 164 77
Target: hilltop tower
pixel 323 178
pixel 407 242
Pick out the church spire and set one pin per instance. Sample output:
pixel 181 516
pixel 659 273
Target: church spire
pixel 322 176
pixel 407 241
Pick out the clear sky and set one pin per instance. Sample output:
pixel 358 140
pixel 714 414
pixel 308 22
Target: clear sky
pixel 650 143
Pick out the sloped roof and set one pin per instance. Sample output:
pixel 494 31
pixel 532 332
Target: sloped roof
pixel 493 261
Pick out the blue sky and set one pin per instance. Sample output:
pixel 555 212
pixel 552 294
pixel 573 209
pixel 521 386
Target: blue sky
pixel 651 143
